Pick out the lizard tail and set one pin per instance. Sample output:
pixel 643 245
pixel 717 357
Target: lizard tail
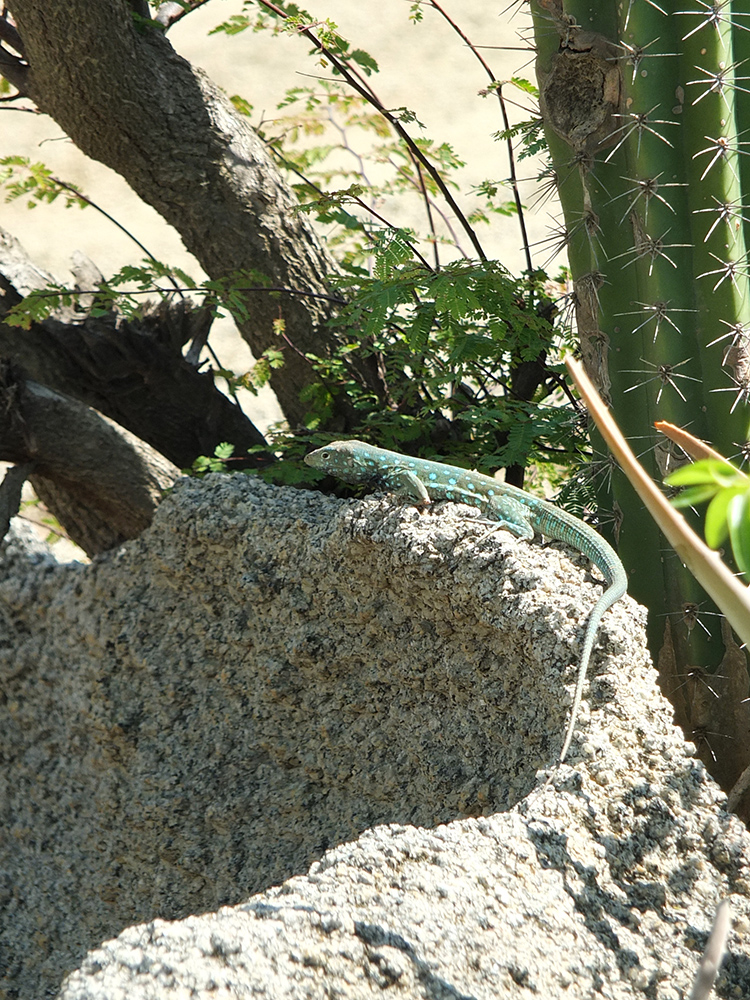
pixel 610 596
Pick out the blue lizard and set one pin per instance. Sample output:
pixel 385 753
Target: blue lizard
pixel 422 481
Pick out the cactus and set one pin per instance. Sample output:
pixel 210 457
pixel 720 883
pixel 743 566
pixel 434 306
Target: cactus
pixel 646 108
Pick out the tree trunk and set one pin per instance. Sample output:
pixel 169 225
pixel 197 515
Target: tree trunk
pixel 125 98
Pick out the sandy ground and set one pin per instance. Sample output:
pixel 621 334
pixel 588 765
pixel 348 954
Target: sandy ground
pixel 425 67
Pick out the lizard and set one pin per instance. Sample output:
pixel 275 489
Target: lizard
pixel 422 481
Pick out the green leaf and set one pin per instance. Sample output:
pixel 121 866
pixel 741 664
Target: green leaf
pixel 419 331
pixel 224 450
pixel 365 60
pixel 235 24
pixel 525 86
pixel 403 114
pixel 692 496
pixel 391 250
pixel 240 104
pixel 716 528
pixel 521 441
pixel 738 518
pixel 707 470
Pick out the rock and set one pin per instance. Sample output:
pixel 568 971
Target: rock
pixel 268 679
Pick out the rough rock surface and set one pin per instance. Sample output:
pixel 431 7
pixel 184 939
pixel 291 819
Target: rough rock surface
pixel 265 674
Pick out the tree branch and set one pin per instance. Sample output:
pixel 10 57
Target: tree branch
pixel 10 494
pixel 357 82
pixel 15 71
pixel 170 13
pixel 9 35
pixel 100 481
pixel 13 67
pixel 131 371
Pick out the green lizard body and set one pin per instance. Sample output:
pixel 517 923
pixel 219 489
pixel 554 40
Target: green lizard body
pixel 422 481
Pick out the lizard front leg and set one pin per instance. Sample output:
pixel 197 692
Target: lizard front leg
pixel 405 483
pixel 511 515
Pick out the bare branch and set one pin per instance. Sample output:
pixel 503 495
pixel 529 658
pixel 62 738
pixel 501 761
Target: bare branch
pixel 355 80
pixel 504 112
pixel 100 481
pixel 170 13
pixel 9 34
pixel 13 67
pixel 15 70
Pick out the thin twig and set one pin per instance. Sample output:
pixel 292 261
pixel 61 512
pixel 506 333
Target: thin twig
pixel 434 206
pixel 430 220
pixel 110 218
pixel 506 122
pixel 355 198
pixel 47 292
pixel 355 80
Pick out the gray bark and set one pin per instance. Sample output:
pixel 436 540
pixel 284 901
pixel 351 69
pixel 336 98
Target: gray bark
pixel 102 483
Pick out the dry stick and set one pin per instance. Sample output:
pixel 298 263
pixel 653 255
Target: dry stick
pixel 726 591
pixel 692 445
pixel 714 953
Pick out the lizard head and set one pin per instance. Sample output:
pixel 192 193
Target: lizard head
pixel 343 460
